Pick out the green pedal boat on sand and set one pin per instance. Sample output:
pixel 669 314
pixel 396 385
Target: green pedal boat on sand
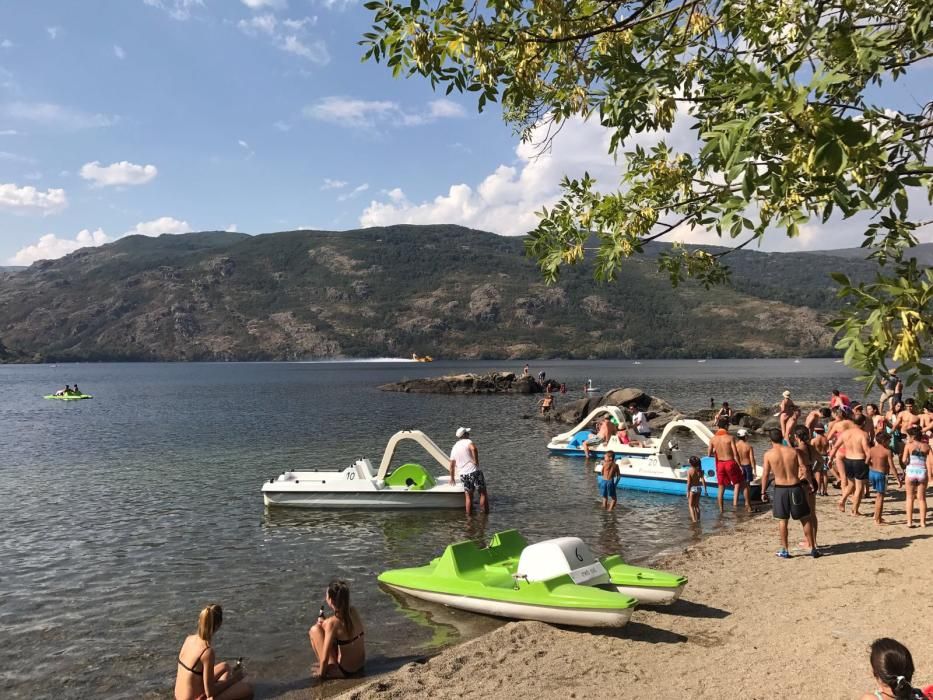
pixel 557 581
pixel 69 397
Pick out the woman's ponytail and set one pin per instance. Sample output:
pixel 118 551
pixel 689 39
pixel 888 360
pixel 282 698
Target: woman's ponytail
pixel 209 621
pixel 893 665
pixel 339 594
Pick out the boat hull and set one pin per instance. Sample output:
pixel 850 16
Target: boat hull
pixel 650 595
pixel 575 617
pixel 385 498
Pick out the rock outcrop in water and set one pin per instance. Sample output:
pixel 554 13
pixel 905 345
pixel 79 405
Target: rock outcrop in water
pixel 489 383
pixel 659 411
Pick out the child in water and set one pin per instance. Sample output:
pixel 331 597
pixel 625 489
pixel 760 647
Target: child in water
pixel 607 482
pixel 695 481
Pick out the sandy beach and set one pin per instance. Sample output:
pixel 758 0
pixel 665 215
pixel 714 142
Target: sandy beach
pixel 750 625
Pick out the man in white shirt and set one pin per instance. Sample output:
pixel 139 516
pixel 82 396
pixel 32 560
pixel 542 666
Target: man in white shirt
pixel 464 460
pixel 642 427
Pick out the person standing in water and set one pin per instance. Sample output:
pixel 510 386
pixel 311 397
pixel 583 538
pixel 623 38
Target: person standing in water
pixel 789 499
pixel 464 460
pixel 728 473
pixel 607 486
pixel 746 455
pixel 696 484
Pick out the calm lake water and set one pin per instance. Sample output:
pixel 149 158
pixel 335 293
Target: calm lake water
pixel 124 515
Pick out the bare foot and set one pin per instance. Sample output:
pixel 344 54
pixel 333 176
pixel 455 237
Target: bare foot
pixel 854 512
pixel 841 506
pixel 882 521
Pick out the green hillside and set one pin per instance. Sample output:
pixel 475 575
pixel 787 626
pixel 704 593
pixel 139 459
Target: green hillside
pixel 442 290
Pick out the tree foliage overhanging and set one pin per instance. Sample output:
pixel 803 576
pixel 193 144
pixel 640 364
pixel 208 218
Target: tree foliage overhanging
pixel 777 93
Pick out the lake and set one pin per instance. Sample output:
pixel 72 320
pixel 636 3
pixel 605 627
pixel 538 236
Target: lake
pixel 124 515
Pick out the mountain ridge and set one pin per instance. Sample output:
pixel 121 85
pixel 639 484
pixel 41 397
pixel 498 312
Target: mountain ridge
pixel 442 290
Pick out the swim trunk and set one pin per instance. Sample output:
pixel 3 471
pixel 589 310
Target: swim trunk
pixel 748 473
pixel 607 488
pixel 790 502
pixel 696 489
pixel 856 469
pixel 474 481
pixel 879 480
pixel 728 473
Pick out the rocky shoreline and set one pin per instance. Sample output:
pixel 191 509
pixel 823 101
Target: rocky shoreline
pixel 469 383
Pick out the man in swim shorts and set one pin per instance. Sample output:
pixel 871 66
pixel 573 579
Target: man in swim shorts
pixel 881 463
pixel 790 501
pixel 464 460
pixel 728 472
pixel 746 454
pixel 854 441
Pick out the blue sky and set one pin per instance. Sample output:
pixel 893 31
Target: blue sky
pixel 156 116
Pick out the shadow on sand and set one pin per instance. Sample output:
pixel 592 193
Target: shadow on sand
pixel 302 687
pixel 687 608
pixel 872 545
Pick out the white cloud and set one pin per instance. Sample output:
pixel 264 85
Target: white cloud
pixel 365 114
pixel 339 5
pixel 8 132
pixel 118 174
pixel 330 184
pixel 316 51
pixel 264 24
pixel 352 193
pixel 506 200
pixel 282 126
pixel 6 44
pixel 15 158
pixel 297 25
pixel 243 144
pixel 177 9
pixel 53 32
pixel 55 115
pixel 260 4
pixel 231 228
pixel 29 200
pixel 119 52
pixel 51 246
pixel 288 37
pixel 156 227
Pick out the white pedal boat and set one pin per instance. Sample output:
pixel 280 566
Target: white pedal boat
pixel 658 464
pixel 357 486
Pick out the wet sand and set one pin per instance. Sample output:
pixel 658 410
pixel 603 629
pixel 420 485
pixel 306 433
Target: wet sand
pixel 750 625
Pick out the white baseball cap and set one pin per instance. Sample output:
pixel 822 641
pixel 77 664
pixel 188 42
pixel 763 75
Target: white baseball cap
pixel 462 431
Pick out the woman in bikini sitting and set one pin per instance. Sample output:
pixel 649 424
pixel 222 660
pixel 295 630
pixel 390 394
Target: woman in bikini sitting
pixel 198 676
pixel 337 641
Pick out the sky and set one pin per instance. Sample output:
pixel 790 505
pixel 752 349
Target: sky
pixel 167 116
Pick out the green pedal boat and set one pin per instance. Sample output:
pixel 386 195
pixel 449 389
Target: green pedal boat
pixel 557 581
pixel 69 397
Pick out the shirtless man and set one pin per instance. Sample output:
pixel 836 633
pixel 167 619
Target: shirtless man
pixel 728 472
pixel 790 501
pixel 907 418
pixel 811 461
pixel 926 420
pixel 855 443
pixel 816 417
pixel 838 425
pixel 821 445
pixel 603 434
pixel 881 463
